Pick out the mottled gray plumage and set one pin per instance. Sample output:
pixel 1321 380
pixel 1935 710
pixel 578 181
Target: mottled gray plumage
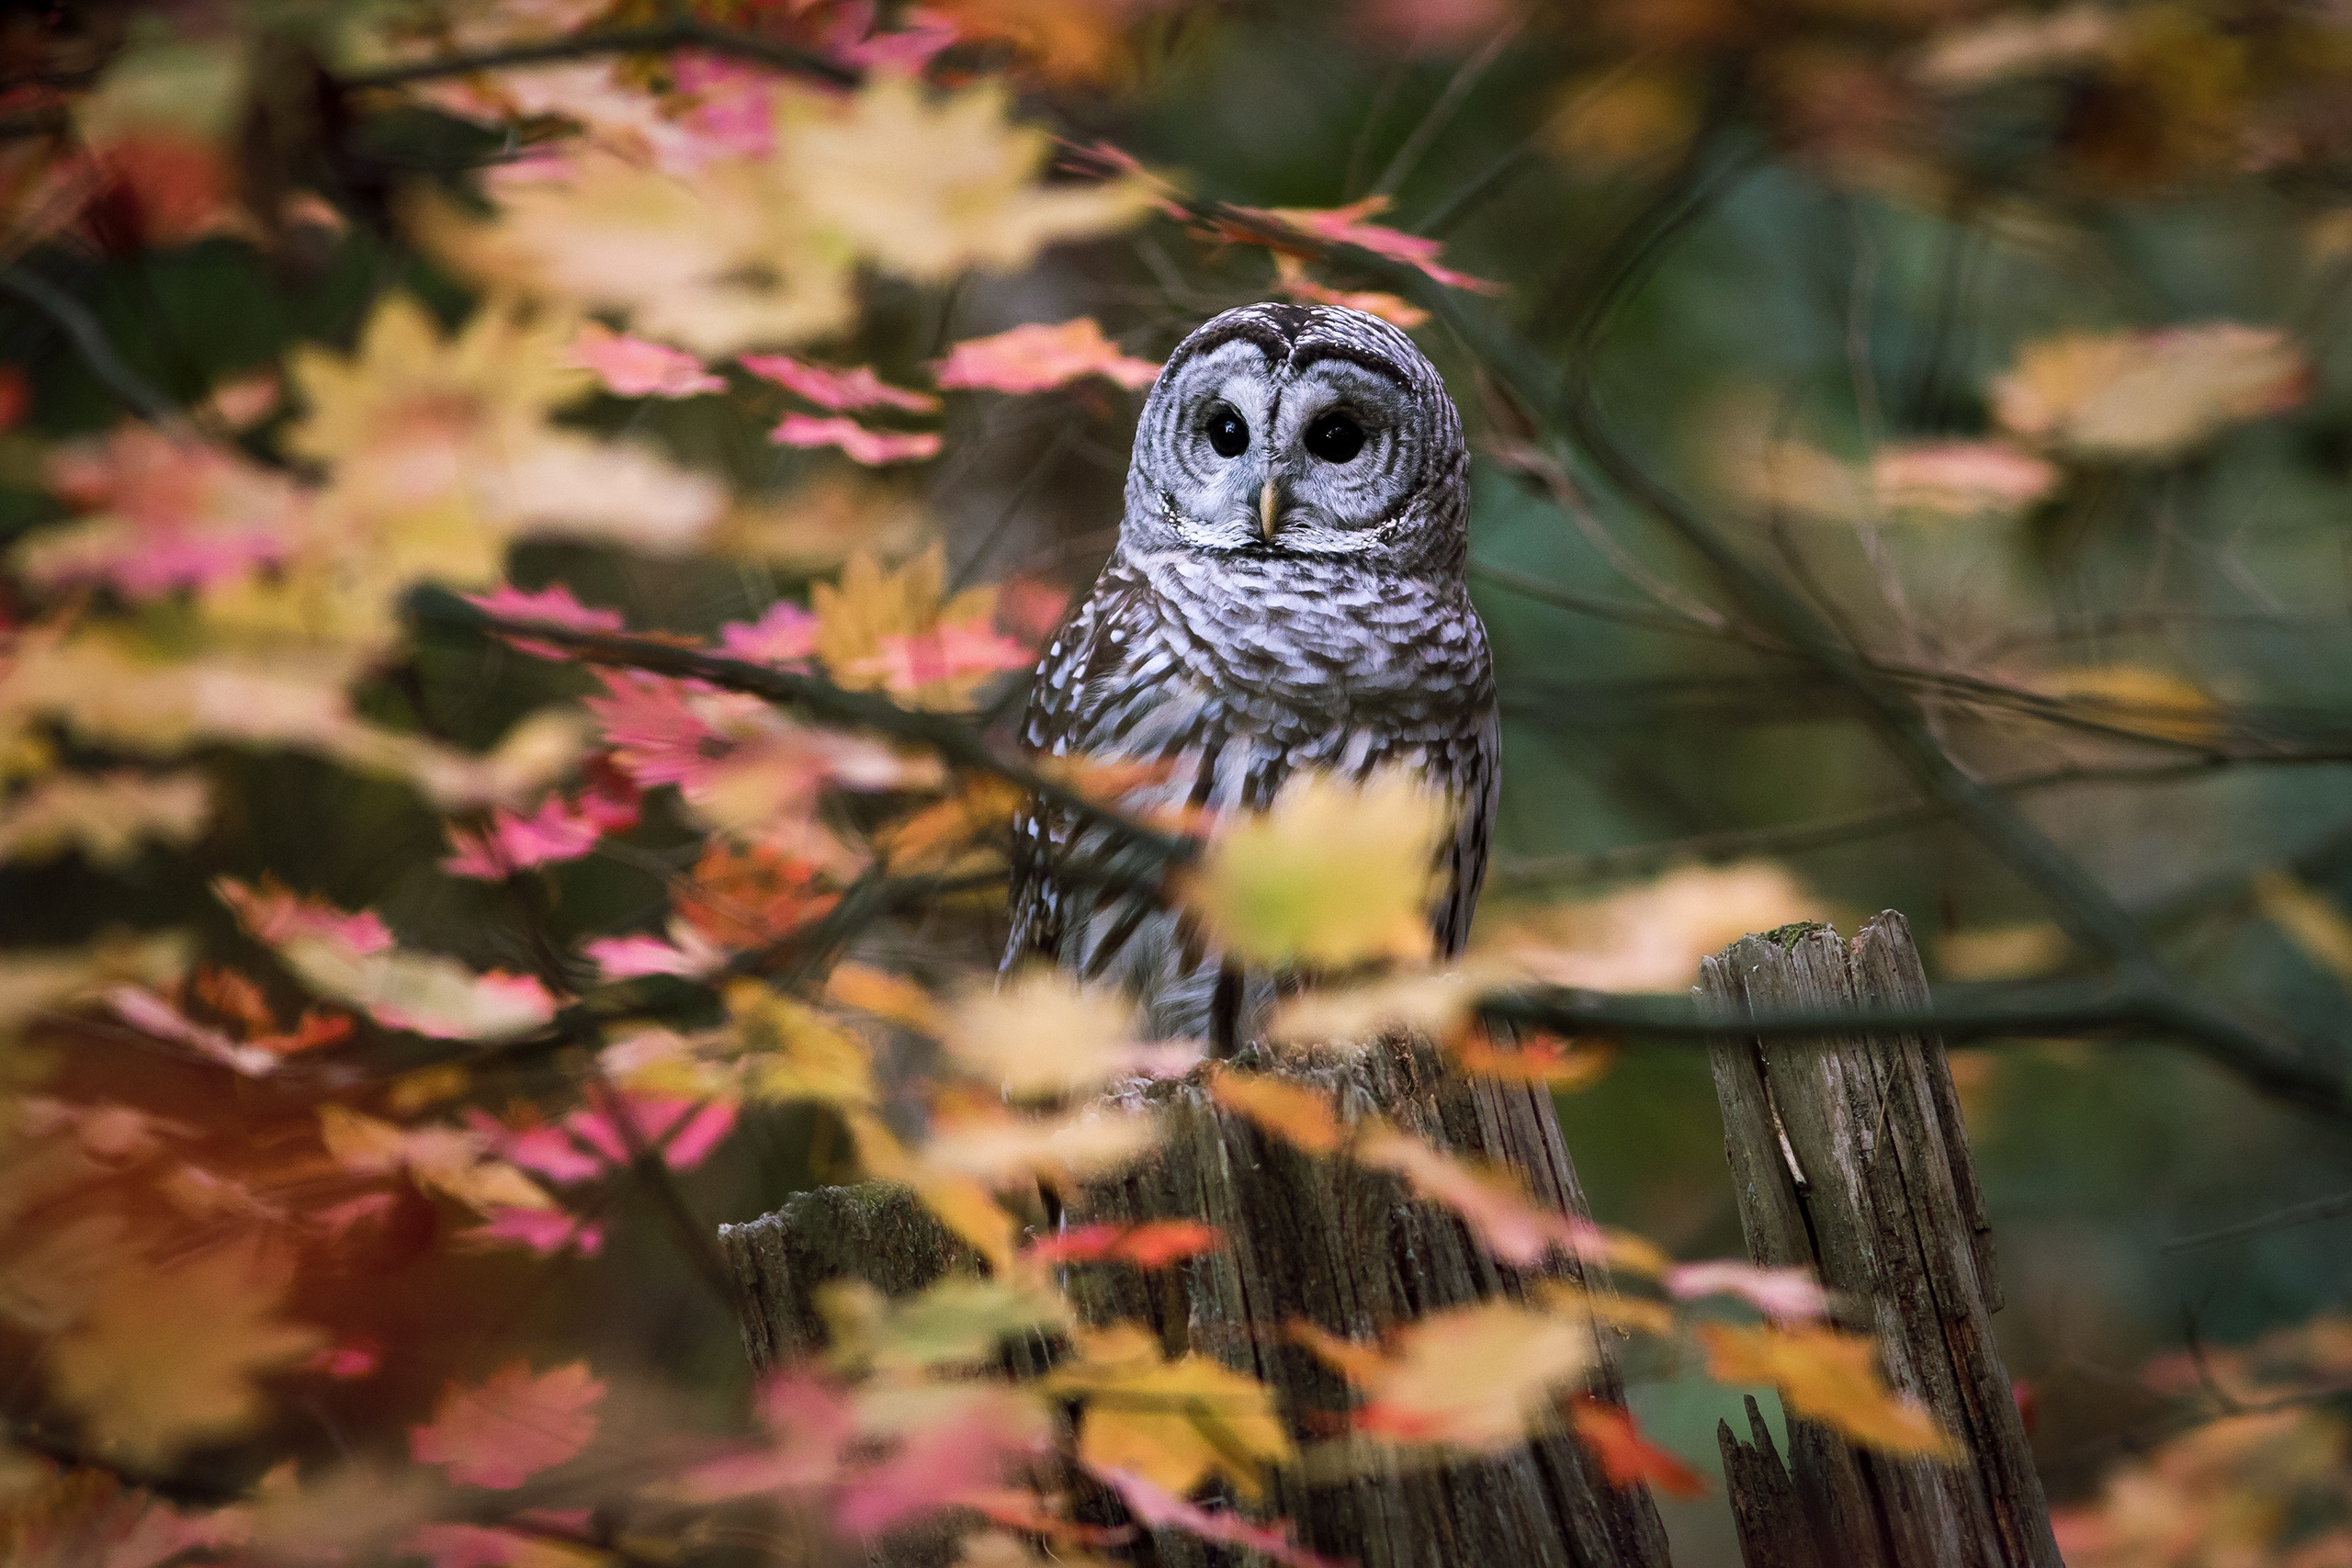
pixel 1240 633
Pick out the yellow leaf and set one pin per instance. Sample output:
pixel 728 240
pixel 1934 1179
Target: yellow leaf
pixel 871 603
pixel 1650 937
pixel 166 1357
pixel 1332 874
pixel 1827 1376
pixel 2149 395
pixel 998 1150
pixel 1300 1116
pixel 1624 120
pixel 884 995
pixel 1636 1314
pixel 1175 1422
pixel 1959 478
pixel 1435 1003
pixel 2312 924
pixel 1473 1377
pixel 2001 953
pixel 926 187
pixel 2146 702
pixel 1042 1034
pixel 957 1320
pixel 933 838
pixel 793 1052
pixel 965 1207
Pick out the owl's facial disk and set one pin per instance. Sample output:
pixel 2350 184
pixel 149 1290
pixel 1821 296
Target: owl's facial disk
pixel 1261 445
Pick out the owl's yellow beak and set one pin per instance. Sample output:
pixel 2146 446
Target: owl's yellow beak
pixel 1266 512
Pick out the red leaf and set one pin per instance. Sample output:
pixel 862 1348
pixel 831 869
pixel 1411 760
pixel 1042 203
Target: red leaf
pixel 509 1429
pixel 1626 1457
pixel 1150 1246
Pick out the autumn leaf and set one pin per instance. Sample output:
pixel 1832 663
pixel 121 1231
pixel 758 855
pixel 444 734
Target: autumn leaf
pixel 836 387
pixel 105 816
pixel 946 1440
pixel 1042 1034
pixel 1473 1377
pixel 1291 277
pixel 2149 395
pixel 858 442
pixel 1160 1508
pixel 448 1160
pixel 1174 1423
pixel 1035 357
pixel 1332 874
pixel 161 511
pixel 166 1355
pixel 1626 1457
pixel 996 1148
pixel 1155 1243
pixel 873 610
pixel 1491 1200
pixel 1650 936
pixel 793 1052
pixel 1624 120
pixel 1433 1002
pixel 1300 1116
pixel 959 1320
pixel 1828 1376
pixel 1558 1065
pixel 422 992
pixel 2134 698
pixel 1960 479
pixel 1780 1293
pixel 1348 226
pixel 883 995
pixel 506 1430
pixel 631 367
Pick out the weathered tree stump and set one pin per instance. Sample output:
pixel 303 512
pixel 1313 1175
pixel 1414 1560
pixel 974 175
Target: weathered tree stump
pixel 1849 1156
pixel 1316 1239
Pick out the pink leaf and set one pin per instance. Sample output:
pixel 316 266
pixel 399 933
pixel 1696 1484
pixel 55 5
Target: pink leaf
pixel 1346 226
pixel 938 1464
pixel 655 736
pixel 1157 1508
pixel 145 1010
pixel 558 830
pixel 840 389
pixel 907 664
pixel 632 957
pixel 1781 1293
pixel 350 1359
pixel 682 1129
pixel 507 1429
pixel 1033 357
pixel 544 1231
pixel 786 634
pixel 872 447
pixel 169 512
pixel 809 1420
pixel 341 1219
pixel 274 917
pixel 633 367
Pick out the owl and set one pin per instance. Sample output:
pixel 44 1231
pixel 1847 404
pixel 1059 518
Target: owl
pixel 1287 592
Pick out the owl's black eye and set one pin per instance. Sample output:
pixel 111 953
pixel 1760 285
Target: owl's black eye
pixel 1228 432
pixel 1335 439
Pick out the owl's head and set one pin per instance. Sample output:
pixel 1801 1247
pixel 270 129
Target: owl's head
pixel 1301 431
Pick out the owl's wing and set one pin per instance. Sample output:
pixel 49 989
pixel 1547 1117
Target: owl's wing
pixel 1477 783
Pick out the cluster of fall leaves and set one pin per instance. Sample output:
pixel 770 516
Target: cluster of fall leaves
pixel 233 577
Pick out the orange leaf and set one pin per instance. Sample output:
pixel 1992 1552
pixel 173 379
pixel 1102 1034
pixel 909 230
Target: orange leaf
pixel 1626 1457
pixel 1539 1058
pixel 1153 1245
pixel 1831 1377
pixel 1299 1116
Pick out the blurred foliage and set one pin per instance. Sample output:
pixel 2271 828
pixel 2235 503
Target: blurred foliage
pixel 1997 351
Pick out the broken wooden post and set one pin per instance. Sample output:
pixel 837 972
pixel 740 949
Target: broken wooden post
pixel 1320 1239
pixel 1850 1158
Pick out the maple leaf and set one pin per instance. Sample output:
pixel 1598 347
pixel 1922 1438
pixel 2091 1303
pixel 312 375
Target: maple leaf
pixel 161 126
pixel 1433 1002
pixel 1292 278
pixel 560 829
pixel 1828 1376
pixel 506 1430
pixel 785 634
pixel 1781 1293
pixel 1173 1422
pixel 422 992
pixel 1158 1507
pixel 1537 1058
pixel 1300 1116
pixel 858 616
pixel 544 1231
pixel 162 511
pixel 448 1159
pixel 1960 479
pixel 1035 357
pixel 1043 1034
pixel 632 367
pixel 835 388
pixel 690 956
pixel 793 1052
pixel 166 1355
pixel 1474 1376
pixel 105 816
pixel 745 896
pixel 884 995
pixel 555 604
pixel 927 186
pixel 1490 1198
pixel 949 1440
pixel 959 1320
pixel 996 1148
pixel 1650 937
pixel 1332 874
pixel 858 442
pixel 681 1130
pixel 2150 395
pixel 1626 1457
pixel 1347 226
pixel 1152 1245
pixel 274 917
